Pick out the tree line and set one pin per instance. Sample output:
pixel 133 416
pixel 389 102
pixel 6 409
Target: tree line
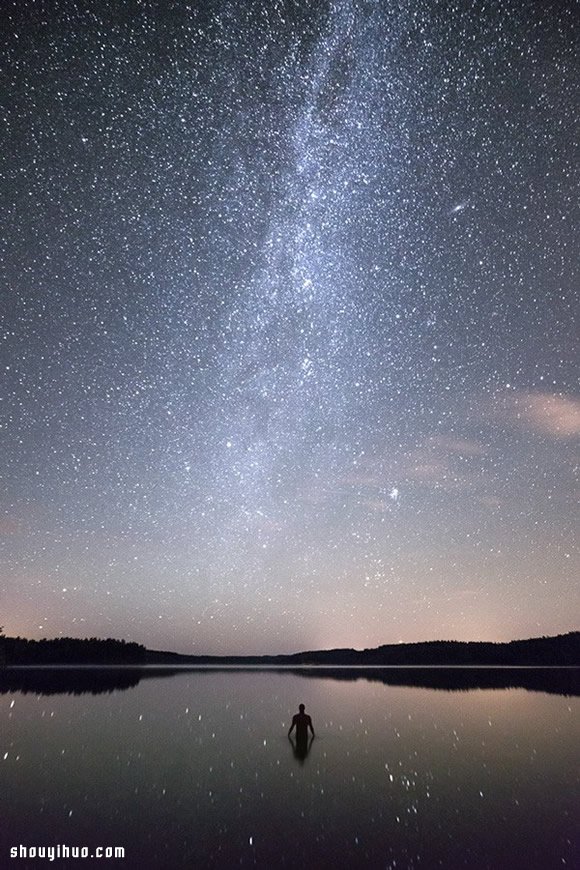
pixel 70 650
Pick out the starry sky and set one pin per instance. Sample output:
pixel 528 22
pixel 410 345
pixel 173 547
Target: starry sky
pixel 289 344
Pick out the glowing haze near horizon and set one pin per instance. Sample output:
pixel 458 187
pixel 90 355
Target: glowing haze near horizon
pixel 288 346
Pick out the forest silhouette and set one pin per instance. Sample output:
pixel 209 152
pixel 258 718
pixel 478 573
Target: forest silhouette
pixel 559 651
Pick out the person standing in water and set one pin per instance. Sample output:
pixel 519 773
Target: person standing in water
pixel 302 722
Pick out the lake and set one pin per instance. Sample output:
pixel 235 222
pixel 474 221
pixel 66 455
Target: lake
pixel 195 769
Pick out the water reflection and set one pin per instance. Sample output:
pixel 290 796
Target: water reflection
pixel 195 770
pixel 68 681
pixel 301 745
pixel 98 680
pixel 559 681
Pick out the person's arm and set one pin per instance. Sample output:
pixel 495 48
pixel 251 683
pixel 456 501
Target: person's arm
pixel 311 728
pixel 292 727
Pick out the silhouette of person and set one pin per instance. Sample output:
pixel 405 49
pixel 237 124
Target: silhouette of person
pixel 302 722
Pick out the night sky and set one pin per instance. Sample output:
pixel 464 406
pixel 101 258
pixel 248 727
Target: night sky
pixel 289 341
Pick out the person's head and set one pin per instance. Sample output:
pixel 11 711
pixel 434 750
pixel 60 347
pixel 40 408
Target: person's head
pixel 301 708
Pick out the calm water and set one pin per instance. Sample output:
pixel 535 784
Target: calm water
pixel 196 770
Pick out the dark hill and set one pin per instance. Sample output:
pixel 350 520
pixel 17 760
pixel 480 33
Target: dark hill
pixel 561 650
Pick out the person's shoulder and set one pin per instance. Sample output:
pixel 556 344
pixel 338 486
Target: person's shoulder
pixel 308 719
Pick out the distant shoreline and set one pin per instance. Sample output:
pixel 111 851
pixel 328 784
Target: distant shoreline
pixel 556 652
pixel 291 668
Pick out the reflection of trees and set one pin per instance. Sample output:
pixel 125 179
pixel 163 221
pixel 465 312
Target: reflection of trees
pixel 76 680
pixel 559 681
pixel 69 681
pixel 96 680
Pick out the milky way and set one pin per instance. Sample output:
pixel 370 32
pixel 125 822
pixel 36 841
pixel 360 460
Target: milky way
pixel 288 342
